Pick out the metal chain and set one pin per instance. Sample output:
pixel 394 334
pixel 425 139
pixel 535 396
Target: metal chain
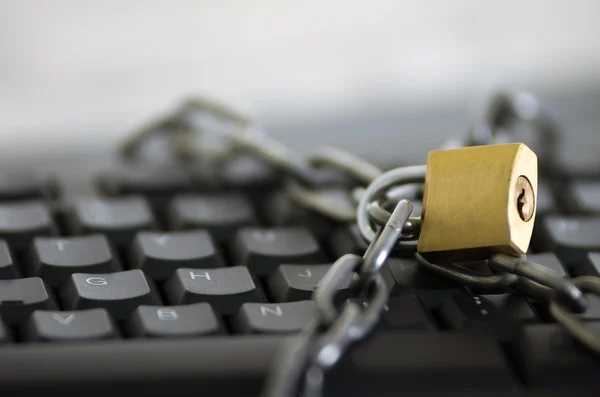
pixel 309 181
pixel 300 366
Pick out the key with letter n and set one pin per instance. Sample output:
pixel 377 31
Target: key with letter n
pixel 275 317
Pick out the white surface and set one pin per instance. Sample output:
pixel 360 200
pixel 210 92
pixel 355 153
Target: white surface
pixel 71 70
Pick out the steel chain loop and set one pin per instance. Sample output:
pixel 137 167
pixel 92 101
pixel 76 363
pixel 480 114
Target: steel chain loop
pixel 300 366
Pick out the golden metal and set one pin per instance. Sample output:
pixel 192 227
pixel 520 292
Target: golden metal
pixel 478 201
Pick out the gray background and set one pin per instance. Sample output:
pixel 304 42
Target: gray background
pixel 386 79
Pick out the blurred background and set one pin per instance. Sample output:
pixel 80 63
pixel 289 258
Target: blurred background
pixel 383 78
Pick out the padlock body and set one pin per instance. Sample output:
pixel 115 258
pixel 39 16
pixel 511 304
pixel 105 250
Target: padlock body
pixel 472 200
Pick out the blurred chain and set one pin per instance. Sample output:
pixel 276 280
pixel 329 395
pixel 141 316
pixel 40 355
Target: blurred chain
pixel 493 122
pixel 308 179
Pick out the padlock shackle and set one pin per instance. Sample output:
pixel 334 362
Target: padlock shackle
pixel 378 189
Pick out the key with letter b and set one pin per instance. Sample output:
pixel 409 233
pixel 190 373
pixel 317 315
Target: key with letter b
pixel 175 321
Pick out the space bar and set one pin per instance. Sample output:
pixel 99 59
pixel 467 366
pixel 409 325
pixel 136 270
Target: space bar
pixel 236 366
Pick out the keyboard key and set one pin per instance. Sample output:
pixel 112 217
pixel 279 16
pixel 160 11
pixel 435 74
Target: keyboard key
pixel 576 159
pixel 407 313
pixel 279 209
pixel 160 254
pixel 589 267
pixel 546 202
pixel 410 279
pixel 264 318
pixel 240 173
pixel 198 319
pixel 549 260
pixel 55 258
pixel 498 313
pixel 8 269
pixel 149 181
pixel 220 214
pixel 263 250
pixel 550 357
pixel 297 282
pixel 226 289
pixel 14 187
pixel 53 326
pixel 249 174
pixel 571 238
pixel 118 218
pixel 404 313
pixel 422 362
pixel 347 240
pixel 584 197
pixel 119 293
pixel 18 298
pixel 22 222
pixel 429 363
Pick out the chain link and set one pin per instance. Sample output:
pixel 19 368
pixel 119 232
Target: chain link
pixel 300 366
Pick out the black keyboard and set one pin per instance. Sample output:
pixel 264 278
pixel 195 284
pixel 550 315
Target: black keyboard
pixel 172 281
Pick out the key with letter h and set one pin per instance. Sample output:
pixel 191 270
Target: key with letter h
pixel 226 289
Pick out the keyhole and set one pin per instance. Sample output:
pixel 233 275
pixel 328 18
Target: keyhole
pixel 521 201
pixel 525 199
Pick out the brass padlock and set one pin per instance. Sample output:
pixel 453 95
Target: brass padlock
pixel 478 201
